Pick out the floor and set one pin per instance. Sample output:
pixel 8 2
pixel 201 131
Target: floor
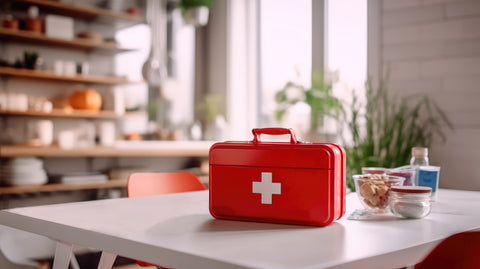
pixel 47 265
pixel 90 260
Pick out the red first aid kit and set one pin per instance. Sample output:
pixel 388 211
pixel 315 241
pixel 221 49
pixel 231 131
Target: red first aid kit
pixel 280 182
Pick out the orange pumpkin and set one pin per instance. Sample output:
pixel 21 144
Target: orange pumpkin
pixel 88 99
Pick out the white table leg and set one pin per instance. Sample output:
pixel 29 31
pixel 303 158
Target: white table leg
pixel 73 262
pixel 63 251
pixel 106 261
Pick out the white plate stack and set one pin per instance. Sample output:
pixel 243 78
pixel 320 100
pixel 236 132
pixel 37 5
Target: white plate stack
pixel 23 171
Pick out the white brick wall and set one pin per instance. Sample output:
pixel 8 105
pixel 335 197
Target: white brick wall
pixel 432 47
pixel 462 9
pixel 413 16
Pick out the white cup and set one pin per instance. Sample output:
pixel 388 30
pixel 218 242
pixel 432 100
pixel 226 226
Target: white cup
pixel 17 101
pixel 107 133
pixel 66 139
pixel 69 68
pixel 58 67
pixel 44 130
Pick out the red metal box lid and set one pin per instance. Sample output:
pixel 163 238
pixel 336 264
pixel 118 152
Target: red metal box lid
pixel 272 154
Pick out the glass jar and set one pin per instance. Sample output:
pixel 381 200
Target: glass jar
pixel 373 190
pixel 410 201
pixel 374 170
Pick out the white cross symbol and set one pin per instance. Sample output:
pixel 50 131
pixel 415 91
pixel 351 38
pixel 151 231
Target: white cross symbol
pixel 266 187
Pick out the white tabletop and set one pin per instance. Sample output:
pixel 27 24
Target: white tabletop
pixel 176 230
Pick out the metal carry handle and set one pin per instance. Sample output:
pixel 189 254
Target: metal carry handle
pixel 273 131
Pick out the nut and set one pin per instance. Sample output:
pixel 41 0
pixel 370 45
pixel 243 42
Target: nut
pixel 374 190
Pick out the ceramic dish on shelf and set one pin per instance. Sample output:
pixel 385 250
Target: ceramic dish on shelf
pixel 23 171
pixel 38 179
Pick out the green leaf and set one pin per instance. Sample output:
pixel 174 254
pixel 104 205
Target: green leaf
pixel 319 97
pixel 393 125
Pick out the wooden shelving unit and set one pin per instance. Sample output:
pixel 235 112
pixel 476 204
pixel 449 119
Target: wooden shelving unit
pixel 127 149
pixel 60 113
pixel 80 12
pixel 76 43
pixel 49 75
pixel 12 190
pixel 94 16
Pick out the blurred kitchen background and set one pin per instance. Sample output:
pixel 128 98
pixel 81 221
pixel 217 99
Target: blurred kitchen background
pixel 109 87
pixel 94 90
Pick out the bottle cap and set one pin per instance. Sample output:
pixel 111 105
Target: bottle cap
pixel 419 152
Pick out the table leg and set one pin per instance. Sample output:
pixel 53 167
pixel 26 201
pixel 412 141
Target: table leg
pixel 63 251
pixel 106 261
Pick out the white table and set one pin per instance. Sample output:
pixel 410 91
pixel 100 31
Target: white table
pixel 176 230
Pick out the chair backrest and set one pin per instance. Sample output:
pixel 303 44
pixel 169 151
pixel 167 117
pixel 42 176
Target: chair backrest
pixel 147 184
pixel 461 250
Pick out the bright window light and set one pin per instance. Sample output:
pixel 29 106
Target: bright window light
pixel 285 51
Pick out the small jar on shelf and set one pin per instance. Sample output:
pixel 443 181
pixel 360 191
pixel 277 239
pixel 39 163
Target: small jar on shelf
pixel 33 22
pixel 10 22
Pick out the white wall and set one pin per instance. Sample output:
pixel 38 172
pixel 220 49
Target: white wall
pixel 433 47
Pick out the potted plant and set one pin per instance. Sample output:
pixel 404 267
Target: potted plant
pixel 29 59
pixel 319 97
pixel 384 130
pixel 195 12
pixel 210 112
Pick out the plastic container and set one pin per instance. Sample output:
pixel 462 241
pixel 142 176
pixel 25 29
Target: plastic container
pixel 408 172
pixel 429 176
pixel 410 201
pixel 374 190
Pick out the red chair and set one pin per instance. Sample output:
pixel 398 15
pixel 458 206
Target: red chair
pixel 147 184
pixel 461 250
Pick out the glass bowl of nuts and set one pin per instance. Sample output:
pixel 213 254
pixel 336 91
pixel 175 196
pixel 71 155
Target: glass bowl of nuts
pixel 373 190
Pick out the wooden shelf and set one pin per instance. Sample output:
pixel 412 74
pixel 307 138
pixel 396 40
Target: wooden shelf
pixel 121 149
pixel 80 12
pixel 117 183
pixel 61 113
pixel 48 75
pixel 76 43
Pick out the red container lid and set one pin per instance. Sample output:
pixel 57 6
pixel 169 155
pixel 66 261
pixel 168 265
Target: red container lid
pixel 411 189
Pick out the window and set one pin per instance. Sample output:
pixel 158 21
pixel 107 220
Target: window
pixel 285 55
pixel 270 43
pixel 346 50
